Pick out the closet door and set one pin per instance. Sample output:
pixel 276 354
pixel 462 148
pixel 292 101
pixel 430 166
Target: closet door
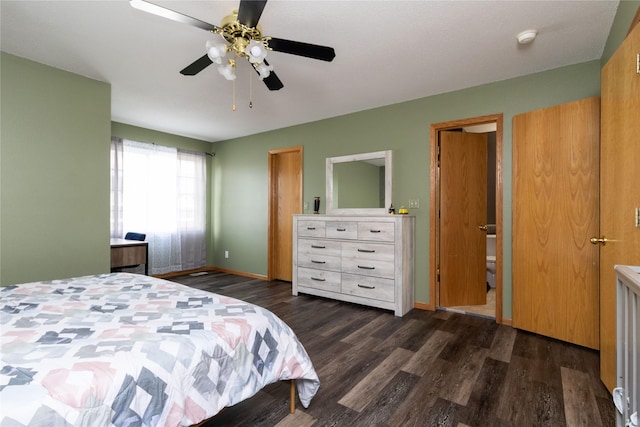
pixel 285 200
pixel 555 213
pixel 620 186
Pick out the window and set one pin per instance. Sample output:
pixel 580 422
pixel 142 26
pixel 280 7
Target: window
pixel 160 191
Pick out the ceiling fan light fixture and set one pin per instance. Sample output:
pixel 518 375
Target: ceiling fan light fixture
pixel 228 70
pixel 215 51
pixel 263 70
pixel 256 51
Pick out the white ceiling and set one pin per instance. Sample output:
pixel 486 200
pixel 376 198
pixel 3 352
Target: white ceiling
pixel 386 52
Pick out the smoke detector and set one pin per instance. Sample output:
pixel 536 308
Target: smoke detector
pixel 527 36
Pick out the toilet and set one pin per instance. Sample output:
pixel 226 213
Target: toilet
pixel 491 261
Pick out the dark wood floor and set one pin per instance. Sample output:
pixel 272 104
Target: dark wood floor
pixel 425 369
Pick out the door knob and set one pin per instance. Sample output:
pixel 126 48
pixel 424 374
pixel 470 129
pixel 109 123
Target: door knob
pixel 483 227
pixel 603 240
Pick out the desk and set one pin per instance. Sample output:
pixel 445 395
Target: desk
pixel 128 253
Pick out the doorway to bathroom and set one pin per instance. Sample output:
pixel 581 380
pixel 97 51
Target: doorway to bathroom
pixel 466 214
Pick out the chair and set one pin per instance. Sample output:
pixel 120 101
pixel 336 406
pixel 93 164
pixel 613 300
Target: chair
pixel 135 236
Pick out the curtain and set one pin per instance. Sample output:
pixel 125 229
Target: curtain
pixel 116 188
pixel 191 205
pixel 160 191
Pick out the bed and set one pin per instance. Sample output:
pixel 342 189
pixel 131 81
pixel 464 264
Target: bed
pixel 130 350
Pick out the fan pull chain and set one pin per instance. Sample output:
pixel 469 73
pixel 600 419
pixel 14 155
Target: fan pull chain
pixel 250 89
pixel 233 106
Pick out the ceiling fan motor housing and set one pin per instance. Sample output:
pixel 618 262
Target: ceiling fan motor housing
pixel 239 35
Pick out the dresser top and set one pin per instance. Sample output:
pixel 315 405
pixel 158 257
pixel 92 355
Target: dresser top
pixel 323 217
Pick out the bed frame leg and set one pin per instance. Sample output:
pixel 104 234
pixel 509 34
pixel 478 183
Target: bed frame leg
pixel 292 404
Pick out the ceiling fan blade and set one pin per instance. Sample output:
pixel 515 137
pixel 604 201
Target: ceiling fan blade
pixel 249 11
pixel 323 53
pixel 196 66
pixel 272 81
pixel 170 14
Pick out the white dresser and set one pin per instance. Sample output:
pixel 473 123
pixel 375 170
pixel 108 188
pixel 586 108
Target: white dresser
pixel 362 259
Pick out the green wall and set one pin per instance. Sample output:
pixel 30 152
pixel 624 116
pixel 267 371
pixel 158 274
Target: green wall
pixel 241 164
pixel 624 15
pixel 135 133
pixel 240 206
pixel 240 201
pixel 54 173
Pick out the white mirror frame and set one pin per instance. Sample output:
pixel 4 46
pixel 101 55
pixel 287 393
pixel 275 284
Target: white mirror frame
pixel 388 174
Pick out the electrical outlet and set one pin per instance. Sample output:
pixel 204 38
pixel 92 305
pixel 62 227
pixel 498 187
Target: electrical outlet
pixel 306 206
pixel 414 203
pixel 226 254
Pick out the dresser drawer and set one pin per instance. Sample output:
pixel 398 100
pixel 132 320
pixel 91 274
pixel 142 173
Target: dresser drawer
pixel 311 228
pixel 320 247
pixel 368 287
pixel 372 251
pixel 368 267
pixel 376 231
pixel 342 230
pixel 319 279
pixel 323 262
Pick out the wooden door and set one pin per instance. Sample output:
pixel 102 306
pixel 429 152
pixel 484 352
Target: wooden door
pixel 555 213
pixel 463 209
pixel 620 186
pixel 285 200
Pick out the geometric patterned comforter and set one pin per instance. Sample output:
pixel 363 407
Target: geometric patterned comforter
pixel 129 350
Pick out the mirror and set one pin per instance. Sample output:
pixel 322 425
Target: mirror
pixel 359 183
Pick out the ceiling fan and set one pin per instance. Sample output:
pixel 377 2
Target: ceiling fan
pixel 240 35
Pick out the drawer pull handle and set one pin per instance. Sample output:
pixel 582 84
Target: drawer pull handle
pixel 318 247
pixel 374 231
pixel 365 286
pixel 318 262
pixel 341 229
pixel 367 251
pixel 365 267
pixel 317 279
pixel 311 228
